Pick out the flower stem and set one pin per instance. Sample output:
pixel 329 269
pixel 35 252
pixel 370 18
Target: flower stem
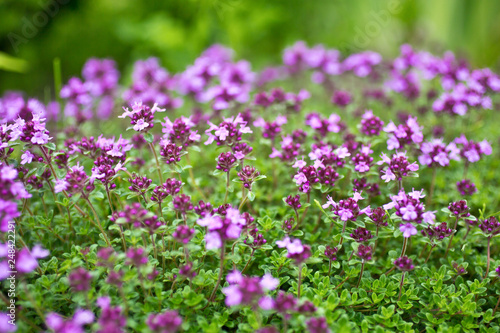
pixel 121 228
pixel 496 307
pixel 488 260
pixel 305 211
pixel 299 282
pixel 451 237
pixel 154 247
pixel 429 255
pixel 191 175
pixel 248 262
pixel 157 162
pixel 243 202
pixel 227 187
pixel 401 285
pixel 221 271
pixel 422 252
pixel 403 250
pixel 433 184
pixel 99 225
pixel 55 176
pixel 361 273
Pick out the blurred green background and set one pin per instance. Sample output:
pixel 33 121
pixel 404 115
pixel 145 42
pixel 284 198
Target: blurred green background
pixel 34 32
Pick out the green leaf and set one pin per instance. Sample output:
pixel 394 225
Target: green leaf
pixel 149 137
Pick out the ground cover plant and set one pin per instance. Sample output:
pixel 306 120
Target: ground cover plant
pixel 332 193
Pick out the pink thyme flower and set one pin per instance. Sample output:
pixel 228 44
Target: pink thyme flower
pixel 408 230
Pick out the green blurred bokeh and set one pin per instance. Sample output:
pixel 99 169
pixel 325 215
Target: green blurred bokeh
pixel 34 32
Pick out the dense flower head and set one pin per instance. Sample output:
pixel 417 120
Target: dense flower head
pixel 182 203
pixel 293 201
pixel 152 84
pixel 171 153
pixel 285 303
pixel 78 99
pixel 323 126
pixel 306 177
pixel 404 264
pixel 329 155
pixel 80 279
pixel 171 187
pixel 244 290
pixel 371 125
pixel 362 160
pixel 341 98
pixel 466 187
pixel 75 182
pixel 229 132
pixel 362 64
pixel 180 131
pixel 255 239
pixel 347 209
pixel 364 252
pixel 111 319
pixel 459 209
pixel 459 269
pixel 141 116
pixel 134 213
pixel 296 250
pixel 490 226
pixel 183 234
pixel 435 153
pixel 403 134
pixel 270 130
pixel 437 232
pixel 75 324
pixel 472 151
pixel 318 325
pixel 328 175
pixel 106 257
pixel 101 76
pixel 187 270
pixel 289 149
pixel 139 184
pixel 398 167
pixel 105 169
pixel 331 253
pixel 137 257
pixel 408 206
pixel 222 227
pixel 151 223
pixel 13 106
pixel 32 130
pixel 203 209
pixel 306 308
pixel 226 161
pixel 361 235
pixel 241 150
pixel 379 217
pixel 288 225
pixel 25 260
pixel 165 322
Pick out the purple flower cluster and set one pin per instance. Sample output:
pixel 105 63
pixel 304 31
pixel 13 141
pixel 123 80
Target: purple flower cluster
pixel 141 116
pixel 347 209
pixel 296 250
pixel 398 167
pixel 222 227
pixel 244 290
pixel 404 134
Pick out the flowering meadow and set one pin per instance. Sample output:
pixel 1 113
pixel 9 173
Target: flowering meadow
pixel 329 193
